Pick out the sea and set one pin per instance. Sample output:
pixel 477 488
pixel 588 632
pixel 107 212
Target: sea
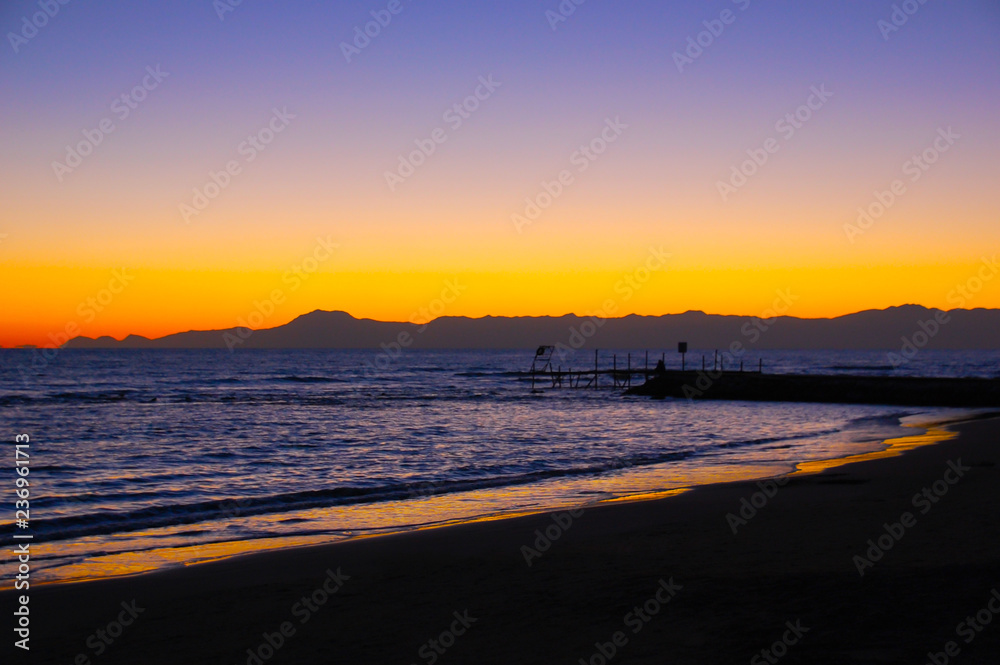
pixel 145 459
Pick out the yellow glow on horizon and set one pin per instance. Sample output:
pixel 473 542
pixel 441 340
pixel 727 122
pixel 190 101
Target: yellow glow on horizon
pixel 43 301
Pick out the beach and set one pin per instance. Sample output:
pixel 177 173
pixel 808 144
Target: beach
pixel 879 561
pixel 568 333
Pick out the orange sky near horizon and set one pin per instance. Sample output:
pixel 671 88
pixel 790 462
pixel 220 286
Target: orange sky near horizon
pixel 593 123
pixel 387 261
pixel 149 305
pixel 392 258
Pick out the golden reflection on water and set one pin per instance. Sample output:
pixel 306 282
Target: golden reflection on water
pixel 137 552
pixel 896 447
pixel 145 551
pixel 133 563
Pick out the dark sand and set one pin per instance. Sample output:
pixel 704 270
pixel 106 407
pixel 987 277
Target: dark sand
pixel 791 562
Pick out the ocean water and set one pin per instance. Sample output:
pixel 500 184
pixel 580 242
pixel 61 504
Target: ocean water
pixel 145 459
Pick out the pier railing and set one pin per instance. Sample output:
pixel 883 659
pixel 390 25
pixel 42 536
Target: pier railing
pixel 546 374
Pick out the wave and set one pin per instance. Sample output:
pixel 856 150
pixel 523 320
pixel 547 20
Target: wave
pixel 94 396
pixel 309 379
pixel 776 439
pixel 94 524
pixel 91 524
pixel 330 397
pixel 892 418
pixel 174 397
pixel 497 373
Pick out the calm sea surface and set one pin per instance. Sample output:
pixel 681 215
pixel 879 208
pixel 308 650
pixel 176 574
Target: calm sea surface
pixel 142 459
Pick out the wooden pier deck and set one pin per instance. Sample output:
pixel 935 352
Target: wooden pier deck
pixel 717 381
pixel 544 374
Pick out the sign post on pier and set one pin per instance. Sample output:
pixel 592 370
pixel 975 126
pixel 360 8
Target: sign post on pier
pixel 682 348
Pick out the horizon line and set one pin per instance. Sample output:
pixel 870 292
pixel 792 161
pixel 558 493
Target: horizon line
pixel 760 316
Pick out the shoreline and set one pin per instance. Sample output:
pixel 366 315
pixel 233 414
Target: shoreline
pixel 934 428
pixel 791 561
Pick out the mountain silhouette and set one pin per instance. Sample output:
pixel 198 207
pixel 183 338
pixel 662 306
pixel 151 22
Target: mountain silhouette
pixel 886 329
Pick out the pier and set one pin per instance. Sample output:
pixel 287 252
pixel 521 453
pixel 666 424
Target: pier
pixel 545 374
pixel 833 389
pixel 717 381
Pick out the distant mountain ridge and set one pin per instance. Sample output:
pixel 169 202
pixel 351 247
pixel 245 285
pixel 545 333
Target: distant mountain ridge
pixel 888 329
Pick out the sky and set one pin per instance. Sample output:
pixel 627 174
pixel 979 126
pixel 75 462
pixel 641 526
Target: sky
pixel 182 165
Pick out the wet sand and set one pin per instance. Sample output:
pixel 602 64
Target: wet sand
pixel 661 581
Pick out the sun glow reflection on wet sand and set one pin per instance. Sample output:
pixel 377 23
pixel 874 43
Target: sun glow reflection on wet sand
pixel 138 554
